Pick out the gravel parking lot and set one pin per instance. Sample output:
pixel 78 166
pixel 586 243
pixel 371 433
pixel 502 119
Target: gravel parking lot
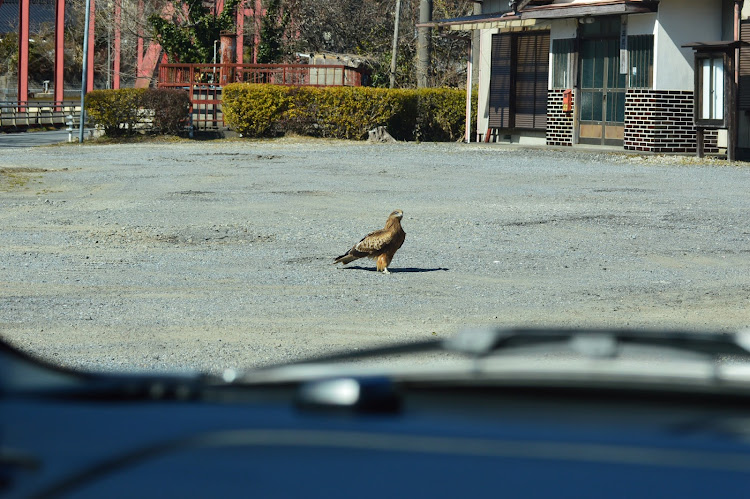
pixel 219 254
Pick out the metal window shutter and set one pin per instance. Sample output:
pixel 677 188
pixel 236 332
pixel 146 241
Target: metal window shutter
pixel 500 81
pixel 531 81
pixel 743 95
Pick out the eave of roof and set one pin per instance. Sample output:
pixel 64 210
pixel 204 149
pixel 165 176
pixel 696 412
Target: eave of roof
pixel 720 45
pixel 561 11
pixel 528 14
pixel 475 19
pixel 484 21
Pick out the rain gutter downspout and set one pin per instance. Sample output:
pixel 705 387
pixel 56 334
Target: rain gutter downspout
pixel 735 129
pixel 737 9
pixel 469 89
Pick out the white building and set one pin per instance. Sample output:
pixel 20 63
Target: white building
pixel 606 72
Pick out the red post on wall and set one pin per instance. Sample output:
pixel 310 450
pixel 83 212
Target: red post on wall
pixel 240 41
pixel 90 77
pixel 139 46
pixel 59 50
pixel 228 43
pixel 23 52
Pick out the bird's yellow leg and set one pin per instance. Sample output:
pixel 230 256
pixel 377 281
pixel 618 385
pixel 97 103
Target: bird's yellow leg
pixel 382 264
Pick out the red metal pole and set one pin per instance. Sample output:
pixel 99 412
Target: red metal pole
pixel 227 57
pixel 90 77
pixel 257 16
pixel 139 47
pixel 23 53
pixel 240 32
pixel 118 34
pixel 59 51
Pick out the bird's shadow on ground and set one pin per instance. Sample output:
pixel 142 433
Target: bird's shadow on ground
pixel 395 270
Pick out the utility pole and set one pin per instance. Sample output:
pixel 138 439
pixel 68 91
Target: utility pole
pixel 84 78
pixel 423 44
pixel 475 45
pixel 394 51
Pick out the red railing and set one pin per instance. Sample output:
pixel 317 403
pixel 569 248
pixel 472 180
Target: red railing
pixel 204 82
pixel 171 75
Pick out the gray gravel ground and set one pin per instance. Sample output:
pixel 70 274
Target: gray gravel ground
pixel 218 254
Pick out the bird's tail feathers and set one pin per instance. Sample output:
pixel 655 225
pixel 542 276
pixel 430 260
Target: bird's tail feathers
pixel 345 258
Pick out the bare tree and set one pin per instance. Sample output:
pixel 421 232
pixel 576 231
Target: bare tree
pixel 450 48
pixel 133 15
pixel 362 28
pixel 365 28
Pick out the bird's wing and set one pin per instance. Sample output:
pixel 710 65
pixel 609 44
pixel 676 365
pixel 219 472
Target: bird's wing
pixel 374 241
pixel 398 240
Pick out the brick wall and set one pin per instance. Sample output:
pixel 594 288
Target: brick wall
pixel 559 123
pixel 661 121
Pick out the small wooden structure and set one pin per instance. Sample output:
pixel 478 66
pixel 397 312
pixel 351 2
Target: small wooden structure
pixel 715 91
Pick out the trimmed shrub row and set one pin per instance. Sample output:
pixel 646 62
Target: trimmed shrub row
pixel 432 114
pixel 130 110
pixel 255 110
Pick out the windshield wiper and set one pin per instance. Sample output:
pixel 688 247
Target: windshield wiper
pixel 596 343
pixel 599 343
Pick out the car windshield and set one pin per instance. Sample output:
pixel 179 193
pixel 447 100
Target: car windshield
pixel 216 254
pixel 457 245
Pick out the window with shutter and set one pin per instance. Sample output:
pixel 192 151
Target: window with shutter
pixel 531 81
pixel 518 80
pixel 500 81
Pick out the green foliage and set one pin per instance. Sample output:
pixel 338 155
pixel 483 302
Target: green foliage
pixel 441 114
pixel 41 50
pixel 273 27
pixel 115 110
pixel 126 111
pixel 301 117
pixel 9 53
pixel 189 36
pixel 170 109
pixel 349 112
pixel 344 112
pixel 254 110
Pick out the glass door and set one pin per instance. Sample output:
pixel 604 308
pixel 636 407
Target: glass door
pixel 602 90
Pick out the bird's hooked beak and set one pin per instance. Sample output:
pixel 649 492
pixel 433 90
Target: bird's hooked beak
pixel 398 214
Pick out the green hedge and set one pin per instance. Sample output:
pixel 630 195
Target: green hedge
pixel 115 110
pixel 170 110
pixel 256 110
pixel 130 110
pixel 441 115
